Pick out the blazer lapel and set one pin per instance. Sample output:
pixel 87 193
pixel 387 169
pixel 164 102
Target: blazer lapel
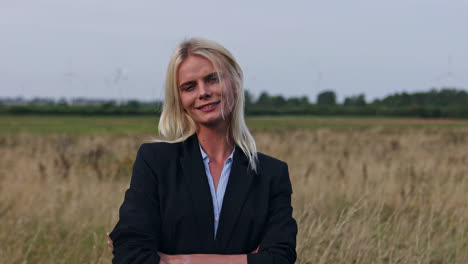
pixel 194 169
pixel 237 191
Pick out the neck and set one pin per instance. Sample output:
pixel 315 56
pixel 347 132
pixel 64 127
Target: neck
pixel 215 142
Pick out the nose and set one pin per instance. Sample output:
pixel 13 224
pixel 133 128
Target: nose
pixel 205 91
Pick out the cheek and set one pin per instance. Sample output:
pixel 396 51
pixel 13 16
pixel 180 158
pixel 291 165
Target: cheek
pixel 184 101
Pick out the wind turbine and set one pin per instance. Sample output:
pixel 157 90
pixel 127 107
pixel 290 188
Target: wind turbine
pixel 72 77
pixel 448 79
pixel 117 78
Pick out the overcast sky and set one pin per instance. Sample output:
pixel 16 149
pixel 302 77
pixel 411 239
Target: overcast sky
pixel 120 48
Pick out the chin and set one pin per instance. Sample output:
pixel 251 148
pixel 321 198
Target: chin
pixel 211 122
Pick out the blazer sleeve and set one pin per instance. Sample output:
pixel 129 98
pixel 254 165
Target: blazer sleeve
pixel 136 235
pixel 278 244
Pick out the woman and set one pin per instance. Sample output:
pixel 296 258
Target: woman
pixel 205 195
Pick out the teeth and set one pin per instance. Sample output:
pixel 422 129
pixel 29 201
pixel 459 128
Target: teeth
pixel 208 106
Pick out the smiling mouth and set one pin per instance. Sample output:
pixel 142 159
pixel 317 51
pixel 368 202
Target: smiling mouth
pixel 207 105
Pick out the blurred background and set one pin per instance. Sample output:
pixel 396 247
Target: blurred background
pixel 367 101
pixel 81 51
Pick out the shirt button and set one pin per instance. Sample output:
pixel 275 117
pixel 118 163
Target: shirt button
pixel 216 219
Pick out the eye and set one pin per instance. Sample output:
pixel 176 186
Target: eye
pixel 213 79
pixel 187 88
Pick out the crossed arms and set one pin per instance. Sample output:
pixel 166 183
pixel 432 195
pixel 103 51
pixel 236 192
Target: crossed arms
pixel 136 237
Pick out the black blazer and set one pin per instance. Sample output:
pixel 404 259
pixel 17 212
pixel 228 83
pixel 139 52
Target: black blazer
pixel 168 208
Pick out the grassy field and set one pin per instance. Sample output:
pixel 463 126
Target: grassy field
pixel 365 190
pixel 78 125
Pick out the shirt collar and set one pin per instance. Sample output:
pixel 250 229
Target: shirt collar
pixel 207 159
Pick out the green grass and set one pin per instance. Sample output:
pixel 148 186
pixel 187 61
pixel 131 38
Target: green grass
pixel 77 124
pixel 10 124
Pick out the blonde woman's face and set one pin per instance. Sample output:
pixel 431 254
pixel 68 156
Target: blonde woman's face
pixel 200 92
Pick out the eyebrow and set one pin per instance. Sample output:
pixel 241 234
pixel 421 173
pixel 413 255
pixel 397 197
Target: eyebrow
pixel 204 78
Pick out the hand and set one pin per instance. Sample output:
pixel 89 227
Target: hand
pixel 173 259
pixel 109 241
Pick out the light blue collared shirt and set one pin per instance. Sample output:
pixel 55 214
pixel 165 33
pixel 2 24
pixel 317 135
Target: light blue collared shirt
pixel 217 195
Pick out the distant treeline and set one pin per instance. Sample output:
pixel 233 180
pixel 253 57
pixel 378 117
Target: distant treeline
pixel 445 102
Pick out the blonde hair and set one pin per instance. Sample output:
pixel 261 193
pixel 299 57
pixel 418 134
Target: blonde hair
pixel 175 125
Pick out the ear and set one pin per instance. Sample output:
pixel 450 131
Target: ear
pixel 233 87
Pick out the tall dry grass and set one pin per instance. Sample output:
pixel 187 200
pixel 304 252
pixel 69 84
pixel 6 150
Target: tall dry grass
pixel 377 195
